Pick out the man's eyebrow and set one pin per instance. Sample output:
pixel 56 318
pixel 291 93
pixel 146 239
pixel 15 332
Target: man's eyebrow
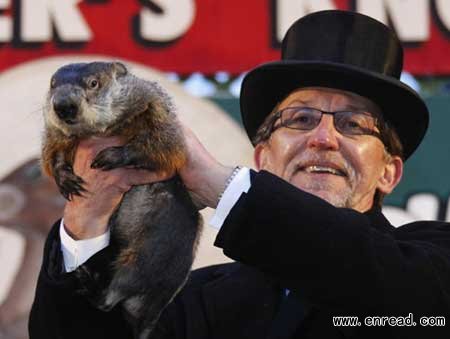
pixel 357 107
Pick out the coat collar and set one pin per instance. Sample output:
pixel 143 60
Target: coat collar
pixel 378 220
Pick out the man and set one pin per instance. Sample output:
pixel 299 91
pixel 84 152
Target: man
pixel 331 124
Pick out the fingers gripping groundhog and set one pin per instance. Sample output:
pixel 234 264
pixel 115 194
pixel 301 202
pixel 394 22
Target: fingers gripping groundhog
pixel 155 227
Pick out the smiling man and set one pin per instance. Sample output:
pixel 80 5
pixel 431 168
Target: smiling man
pixel 327 142
pixel 332 125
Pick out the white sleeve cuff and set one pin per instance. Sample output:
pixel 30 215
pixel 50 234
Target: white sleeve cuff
pixel 237 186
pixel 77 252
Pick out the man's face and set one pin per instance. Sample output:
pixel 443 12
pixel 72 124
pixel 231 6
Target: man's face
pixel 345 170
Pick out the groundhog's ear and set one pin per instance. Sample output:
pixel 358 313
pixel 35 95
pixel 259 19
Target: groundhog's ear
pixel 120 69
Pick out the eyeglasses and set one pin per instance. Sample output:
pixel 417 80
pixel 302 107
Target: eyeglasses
pixel 345 122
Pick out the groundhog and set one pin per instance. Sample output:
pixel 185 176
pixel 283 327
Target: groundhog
pixel 156 226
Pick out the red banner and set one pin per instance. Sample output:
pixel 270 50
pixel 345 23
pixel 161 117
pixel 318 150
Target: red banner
pixel 203 35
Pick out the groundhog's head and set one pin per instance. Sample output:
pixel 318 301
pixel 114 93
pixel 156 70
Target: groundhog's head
pixel 87 98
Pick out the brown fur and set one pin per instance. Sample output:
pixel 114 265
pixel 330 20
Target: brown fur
pixel 55 144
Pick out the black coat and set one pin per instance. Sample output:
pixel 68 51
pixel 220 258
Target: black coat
pixel 335 262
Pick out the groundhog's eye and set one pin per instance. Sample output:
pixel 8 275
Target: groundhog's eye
pixel 93 83
pixel 53 83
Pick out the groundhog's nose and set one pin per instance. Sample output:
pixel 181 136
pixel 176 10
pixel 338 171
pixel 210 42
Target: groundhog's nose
pixel 66 110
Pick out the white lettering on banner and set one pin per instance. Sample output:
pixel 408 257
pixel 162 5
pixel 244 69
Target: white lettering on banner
pixel 410 18
pixel 421 206
pixel 5 23
pixel 443 11
pixel 287 11
pixel 176 19
pixel 38 17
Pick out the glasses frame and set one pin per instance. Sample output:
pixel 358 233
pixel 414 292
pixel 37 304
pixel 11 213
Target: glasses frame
pixel 278 115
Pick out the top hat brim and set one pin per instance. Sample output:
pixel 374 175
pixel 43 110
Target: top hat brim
pixel 268 84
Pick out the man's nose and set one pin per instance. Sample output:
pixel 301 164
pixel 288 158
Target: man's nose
pixel 324 136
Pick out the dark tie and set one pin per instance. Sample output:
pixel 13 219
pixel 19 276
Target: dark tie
pixel 291 313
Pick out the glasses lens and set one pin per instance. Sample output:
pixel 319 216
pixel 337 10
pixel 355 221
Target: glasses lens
pixel 303 118
pixel 354 123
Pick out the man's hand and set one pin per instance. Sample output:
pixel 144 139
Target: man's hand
pixel 203 175
pixel 87 216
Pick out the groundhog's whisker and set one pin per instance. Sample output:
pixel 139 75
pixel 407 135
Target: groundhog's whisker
pixel 37 110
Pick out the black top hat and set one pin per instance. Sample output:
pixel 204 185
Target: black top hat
pixel 343 50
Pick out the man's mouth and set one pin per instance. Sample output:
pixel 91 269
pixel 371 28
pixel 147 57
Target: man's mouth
pixel 322 169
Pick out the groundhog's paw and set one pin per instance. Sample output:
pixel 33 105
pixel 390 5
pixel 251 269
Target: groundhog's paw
pixel 69 183
pixel 111 158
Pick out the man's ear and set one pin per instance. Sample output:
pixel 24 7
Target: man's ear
pixel 393 171
pixel 259 156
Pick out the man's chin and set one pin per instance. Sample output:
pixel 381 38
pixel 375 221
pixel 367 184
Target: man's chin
pixel 336 195
pixel 337 200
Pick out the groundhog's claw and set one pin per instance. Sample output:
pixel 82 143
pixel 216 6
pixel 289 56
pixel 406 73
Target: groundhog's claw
pixel 109 158
pixel 122 156
pixel 69 183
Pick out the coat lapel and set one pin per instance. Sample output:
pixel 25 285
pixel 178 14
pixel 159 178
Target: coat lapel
pixel 241 303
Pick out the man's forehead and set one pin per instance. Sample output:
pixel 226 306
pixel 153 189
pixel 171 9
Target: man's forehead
pixel 339 99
